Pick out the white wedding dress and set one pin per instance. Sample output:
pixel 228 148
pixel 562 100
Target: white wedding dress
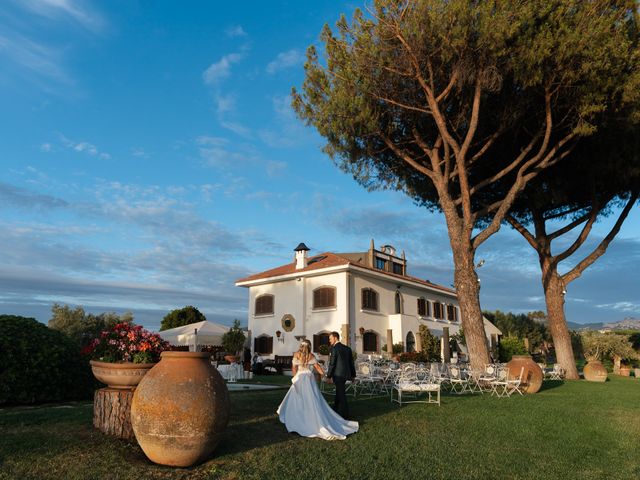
pixel 305 411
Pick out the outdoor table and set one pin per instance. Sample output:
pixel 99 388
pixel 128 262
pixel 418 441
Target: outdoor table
pixel 231 372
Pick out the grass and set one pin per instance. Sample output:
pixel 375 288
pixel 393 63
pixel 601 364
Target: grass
pixel 574 429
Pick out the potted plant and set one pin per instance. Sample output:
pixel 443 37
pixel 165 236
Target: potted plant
pixel 594 347
pixel 123 354
pixel 233 341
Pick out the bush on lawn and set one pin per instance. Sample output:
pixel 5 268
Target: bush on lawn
pixel 39 364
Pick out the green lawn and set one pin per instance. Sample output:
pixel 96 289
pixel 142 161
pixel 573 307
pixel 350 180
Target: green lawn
pixel 576 430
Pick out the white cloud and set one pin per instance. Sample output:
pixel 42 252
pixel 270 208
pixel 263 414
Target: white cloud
pixel 225 103
pixel 235 31
pixel 139 152
pixel 215 152
pixel 84 147
pixel 236 128
pixel 627 307
pixel 287 59
pixel 35 57
pixel 52 9
pixel 221 69
pixel 46 147
pixel 276 169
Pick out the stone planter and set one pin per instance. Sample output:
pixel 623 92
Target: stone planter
pixel 624 371
pixel 532 376
pixel 180 409
pixel 594 371
pixel 120 375
pixel 636 372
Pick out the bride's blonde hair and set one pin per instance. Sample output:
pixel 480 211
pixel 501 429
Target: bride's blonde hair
pixel 305 351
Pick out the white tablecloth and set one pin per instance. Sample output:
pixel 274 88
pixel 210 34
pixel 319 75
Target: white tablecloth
pixel 231 372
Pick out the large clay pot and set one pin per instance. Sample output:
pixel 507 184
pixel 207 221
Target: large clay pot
pixel 180 409
pixel 594 371
pixel 120 375
pixel 532 376
pixel 625 371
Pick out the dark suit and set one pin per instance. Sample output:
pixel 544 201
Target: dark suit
pixel 341 369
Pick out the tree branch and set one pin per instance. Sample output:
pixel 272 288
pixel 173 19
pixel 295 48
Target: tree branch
pixel 576 271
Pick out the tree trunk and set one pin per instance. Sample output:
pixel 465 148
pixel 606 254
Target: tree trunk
pixel 468 290
pixel 554 297
pixel 112 412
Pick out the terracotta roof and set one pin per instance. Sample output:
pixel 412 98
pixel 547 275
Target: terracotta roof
pixel 327 260
pixel 324 260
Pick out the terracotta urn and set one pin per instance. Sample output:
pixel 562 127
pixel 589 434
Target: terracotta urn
pixel 594 371
pixel 180 409
pixel 532 375
pixel 231 358
pixel 625 371
pixel 120 375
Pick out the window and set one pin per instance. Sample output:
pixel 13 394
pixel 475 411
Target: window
pixel 381 264
pixel 324 297
pixel 438 311
pixel 398 302
pixel 397 268
pixel 370 342
pixel 263 345
pixel 264 305
pixel 369 299
pixel 320 339
pixel 422 307
pixel 452 313
pixel 411 342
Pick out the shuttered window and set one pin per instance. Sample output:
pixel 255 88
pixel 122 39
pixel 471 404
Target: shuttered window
pixel 422 307
pixel 370 342
pixel 264 305
pixel 452 313
pixel 369 299
pixel 263 345
pixel 324 297
pixel 438 310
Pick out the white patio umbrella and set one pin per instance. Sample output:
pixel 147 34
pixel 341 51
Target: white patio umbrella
pixel 195 334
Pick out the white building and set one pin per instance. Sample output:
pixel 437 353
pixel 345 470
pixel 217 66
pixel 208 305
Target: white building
pixel 366 296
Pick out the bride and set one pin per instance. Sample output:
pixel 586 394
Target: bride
pixel 303 409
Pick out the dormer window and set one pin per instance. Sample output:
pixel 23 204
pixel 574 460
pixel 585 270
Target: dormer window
pixel 397 268
pixel 264 305
pixel 381 263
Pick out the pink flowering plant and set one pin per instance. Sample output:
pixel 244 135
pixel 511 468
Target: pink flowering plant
pixel 125 342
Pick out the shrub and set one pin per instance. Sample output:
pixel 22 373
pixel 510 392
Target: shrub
pixel 39 364
pixel 397 348
pixel 510 346
pixel 430 344
pixel 419 357
pixel 324 349
pixel 234 339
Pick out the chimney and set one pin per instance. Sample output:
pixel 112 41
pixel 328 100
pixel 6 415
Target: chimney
pixel 301 256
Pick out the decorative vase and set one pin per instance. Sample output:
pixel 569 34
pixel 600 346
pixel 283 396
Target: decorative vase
pixel 532 375
pixel 594 371
pixel 624 371
pixel 120 375
pixel 180 409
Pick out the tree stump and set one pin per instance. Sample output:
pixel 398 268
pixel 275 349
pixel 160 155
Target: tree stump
pixel 112 412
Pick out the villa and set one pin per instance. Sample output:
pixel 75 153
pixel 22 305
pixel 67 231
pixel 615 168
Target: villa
pixel 366 296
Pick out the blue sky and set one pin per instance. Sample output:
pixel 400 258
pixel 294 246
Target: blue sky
pixel 150 157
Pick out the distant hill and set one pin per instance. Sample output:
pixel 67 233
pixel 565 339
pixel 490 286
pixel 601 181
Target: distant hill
pixel 629 323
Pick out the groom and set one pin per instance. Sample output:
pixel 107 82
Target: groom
pixel 341 369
